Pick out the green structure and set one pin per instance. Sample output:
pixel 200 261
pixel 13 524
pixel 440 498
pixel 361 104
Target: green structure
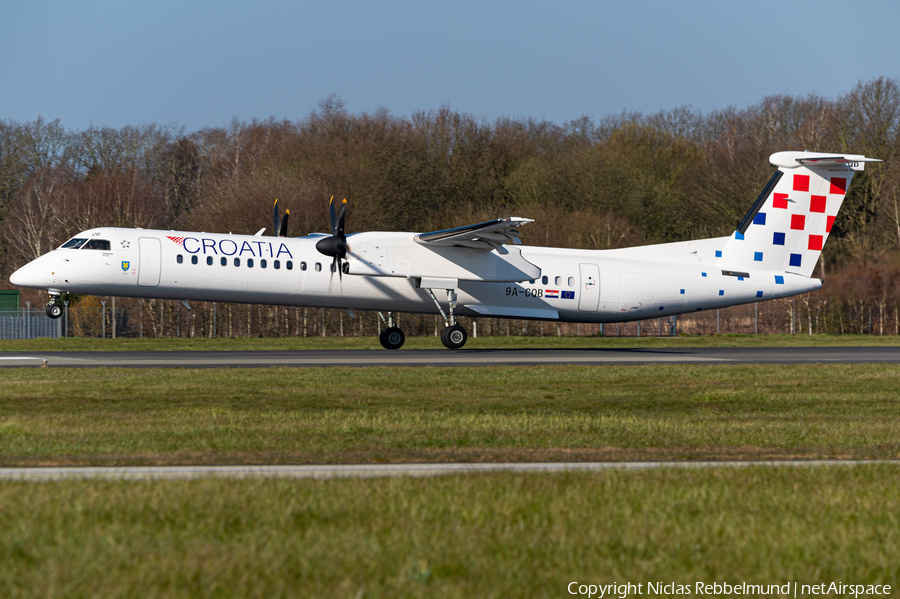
pixel 9 300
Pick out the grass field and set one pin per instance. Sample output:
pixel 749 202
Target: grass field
pixel 488 535
pixel 498 342
pixel 497 535
pixel 287 415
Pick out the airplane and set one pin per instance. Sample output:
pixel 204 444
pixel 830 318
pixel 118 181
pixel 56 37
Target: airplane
pixel 472 270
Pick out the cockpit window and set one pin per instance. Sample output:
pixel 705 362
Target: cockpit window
pixel 74 243
pixel 96 244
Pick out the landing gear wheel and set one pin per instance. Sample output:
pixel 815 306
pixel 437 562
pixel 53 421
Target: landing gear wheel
pixel 392 338
pixel 454 337
pixel 54 310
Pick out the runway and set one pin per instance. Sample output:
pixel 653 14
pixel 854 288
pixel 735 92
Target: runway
pixel 380 470
pixel 444 357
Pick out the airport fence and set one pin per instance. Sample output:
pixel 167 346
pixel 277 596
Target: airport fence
pixel 29 324
pixel 104 317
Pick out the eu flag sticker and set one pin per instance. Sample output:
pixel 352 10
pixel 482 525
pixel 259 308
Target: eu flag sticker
pixel 125 265
pixel 568 295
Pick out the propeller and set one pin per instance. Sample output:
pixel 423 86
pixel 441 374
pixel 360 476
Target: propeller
pixel 336 245
pixel 281 225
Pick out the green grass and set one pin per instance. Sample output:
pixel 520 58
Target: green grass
pixel 498 342
pixel 287 415
pixel 496 535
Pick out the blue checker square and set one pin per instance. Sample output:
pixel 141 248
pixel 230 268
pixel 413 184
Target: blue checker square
pixel 721 292
pixel 682 292
pixel 718 253
pixel 759 219
pixel 759 294
pixel 779 280
pixel 738 235
pixel 757 256
pixel 740 278
pixel 778 239
pixel 704 274
pixel 795 259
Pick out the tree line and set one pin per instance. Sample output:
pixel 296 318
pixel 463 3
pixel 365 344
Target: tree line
pixel 620 180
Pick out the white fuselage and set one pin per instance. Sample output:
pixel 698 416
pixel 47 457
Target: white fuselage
pixel 573 285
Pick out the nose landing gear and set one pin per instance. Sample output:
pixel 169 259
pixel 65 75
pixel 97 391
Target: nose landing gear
pixel 54 307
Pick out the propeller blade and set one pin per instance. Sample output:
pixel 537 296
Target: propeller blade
pixel 332 215
pixel 340 224
pixel 276 217
pixel 284 223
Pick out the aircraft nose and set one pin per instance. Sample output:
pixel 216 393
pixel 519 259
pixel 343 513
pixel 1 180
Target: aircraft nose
pixel 22 277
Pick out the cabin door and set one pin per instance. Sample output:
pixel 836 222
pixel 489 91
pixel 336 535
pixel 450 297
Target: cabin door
pixel 589 299
pixel 150 262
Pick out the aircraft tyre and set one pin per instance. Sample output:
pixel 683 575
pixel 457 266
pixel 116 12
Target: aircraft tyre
pixel 392 338
pixel 454 337
pixel 54 310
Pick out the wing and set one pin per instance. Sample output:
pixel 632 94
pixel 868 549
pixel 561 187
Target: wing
pixel 486 236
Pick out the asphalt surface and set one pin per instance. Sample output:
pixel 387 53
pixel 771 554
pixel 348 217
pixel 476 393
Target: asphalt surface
pixel 444 357
pixel 379 470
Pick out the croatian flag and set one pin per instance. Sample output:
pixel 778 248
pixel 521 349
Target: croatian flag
pixel 551 293
pixel 568 295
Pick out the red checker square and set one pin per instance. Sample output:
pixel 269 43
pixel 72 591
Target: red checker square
pixel 801 182
pixel 838 185
pixel 779 200
pixel 817 204
pixel 815 242
pixel 828 222
pixel 798 221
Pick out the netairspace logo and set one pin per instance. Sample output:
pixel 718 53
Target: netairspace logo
pixel 790 589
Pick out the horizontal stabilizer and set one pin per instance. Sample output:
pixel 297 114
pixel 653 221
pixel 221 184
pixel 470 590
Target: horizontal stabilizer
pixel 856 162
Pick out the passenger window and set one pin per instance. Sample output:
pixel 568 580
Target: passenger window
pixel 303 266
pixel 318 266
pixel 223 261
pixel 237 261
pixel 97 244
pixel 74 243
pixel 544 280
pixel 289 265
pixel 276 264
pixel 209 260
pixel 557 281
pixel 193 259
pixel 262 263
pixel 571 281
pixel 179 258
pixel 249 262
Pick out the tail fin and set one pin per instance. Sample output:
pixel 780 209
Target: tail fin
pixel 790 221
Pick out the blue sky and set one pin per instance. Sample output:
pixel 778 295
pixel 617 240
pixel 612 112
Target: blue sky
pixel 200 64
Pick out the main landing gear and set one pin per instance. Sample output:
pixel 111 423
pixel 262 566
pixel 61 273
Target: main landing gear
pixel 54 306
pixel 391 337
pixel 453 336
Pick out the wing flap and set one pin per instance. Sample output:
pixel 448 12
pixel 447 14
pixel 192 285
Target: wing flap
pixel 486 236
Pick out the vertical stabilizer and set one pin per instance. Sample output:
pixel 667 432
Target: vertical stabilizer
pixel 790 221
